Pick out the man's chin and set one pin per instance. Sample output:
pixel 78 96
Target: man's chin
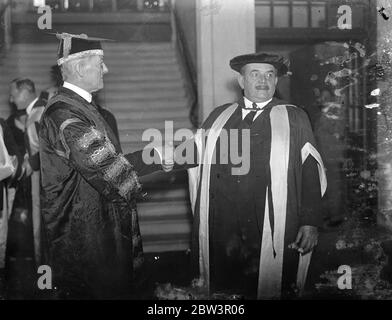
pixel 96 90
pixel 263 98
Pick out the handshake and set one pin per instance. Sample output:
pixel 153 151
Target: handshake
pixel 166 153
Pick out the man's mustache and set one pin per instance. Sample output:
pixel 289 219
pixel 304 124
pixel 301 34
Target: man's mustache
pixel 262 87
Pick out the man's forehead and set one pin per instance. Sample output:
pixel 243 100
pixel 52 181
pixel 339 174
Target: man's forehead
pixel 94 56
pixel 260 66
pixel 99 58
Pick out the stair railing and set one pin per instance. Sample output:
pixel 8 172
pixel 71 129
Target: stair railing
pixel 5 29
pixel 183 52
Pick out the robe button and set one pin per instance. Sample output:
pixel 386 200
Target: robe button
pixel 217 175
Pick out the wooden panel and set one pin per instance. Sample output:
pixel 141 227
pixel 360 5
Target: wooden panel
pixel 319 14
pixel 307 35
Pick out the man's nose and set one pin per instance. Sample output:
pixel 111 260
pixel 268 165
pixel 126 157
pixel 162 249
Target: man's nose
pixel 105 68
pixel 263 78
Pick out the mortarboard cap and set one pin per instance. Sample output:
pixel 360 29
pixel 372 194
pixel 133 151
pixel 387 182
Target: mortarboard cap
pixel 277 61
pixel 73 46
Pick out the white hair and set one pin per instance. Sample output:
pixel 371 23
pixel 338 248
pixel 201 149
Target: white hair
pixel 68 68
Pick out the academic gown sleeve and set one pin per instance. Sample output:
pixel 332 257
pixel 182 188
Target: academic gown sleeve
pixel 310 213
pixel 136 158
pixel 313 181
pixel 93 155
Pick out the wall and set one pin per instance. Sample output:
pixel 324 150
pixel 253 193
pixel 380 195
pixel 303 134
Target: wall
pixel 5 27
pixel 225 29
pixel 186 15
pixel 119 26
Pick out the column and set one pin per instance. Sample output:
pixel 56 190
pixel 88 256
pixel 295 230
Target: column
pixel 225 29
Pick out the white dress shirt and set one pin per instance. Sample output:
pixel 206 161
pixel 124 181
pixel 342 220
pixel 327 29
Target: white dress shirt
pixel 81 92
pixel 249 104
pixel 30 106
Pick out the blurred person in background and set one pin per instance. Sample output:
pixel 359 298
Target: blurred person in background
pixel 23 95
pixel 10 170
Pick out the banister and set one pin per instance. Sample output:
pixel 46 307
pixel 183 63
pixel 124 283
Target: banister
pixel 178 39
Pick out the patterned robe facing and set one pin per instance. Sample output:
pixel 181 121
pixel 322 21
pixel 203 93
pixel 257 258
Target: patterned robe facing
pixel 88 200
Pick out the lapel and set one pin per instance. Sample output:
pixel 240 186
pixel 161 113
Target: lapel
pixel 235 119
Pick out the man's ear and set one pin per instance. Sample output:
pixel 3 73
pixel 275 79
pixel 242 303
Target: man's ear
pixel 240 79
pixel 79 69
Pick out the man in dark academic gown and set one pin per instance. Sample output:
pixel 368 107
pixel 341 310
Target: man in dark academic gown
pixel 89 188
pixel 254 229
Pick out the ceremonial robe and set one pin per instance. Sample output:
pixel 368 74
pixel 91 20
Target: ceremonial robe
pixel 243 224
pixel 88 201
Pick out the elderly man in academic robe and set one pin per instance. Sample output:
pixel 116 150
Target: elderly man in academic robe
pixel 255 225
pixel 89 187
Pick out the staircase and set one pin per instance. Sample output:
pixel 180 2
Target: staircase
pixel 144 87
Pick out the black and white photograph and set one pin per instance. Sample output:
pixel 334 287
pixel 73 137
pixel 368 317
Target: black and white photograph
pixel 222 151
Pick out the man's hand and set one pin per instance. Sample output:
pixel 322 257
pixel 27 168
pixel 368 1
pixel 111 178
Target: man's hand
pixel 167 156
pixel 306 240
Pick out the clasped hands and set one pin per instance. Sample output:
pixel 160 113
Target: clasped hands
pixel 26 169
pixel 166 153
